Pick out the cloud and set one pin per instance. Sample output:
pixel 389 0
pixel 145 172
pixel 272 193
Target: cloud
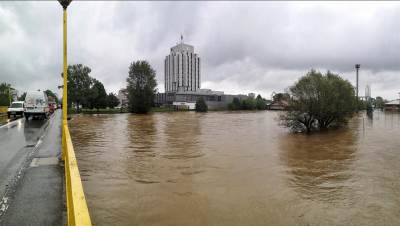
pixel 244 46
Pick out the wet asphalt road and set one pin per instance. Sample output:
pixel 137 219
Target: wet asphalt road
pixel 31 193
pixel 17 140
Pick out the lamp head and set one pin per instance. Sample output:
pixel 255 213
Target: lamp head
pixel 64 3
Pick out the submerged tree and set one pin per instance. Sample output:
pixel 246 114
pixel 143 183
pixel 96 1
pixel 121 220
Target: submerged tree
pixel 318 102
pixel 201 105
pixel 141 87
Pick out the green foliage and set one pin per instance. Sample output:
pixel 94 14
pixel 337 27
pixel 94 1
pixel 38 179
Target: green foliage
pixel 22 97
pixel 51 96
pixel 235 105
pixel 97 96
pixel 141 87
pixel 379 102
pixel 201 105
pixel 260 103
pixel 281 97
pixel 79 84
pixel 85 90
pixel 112 100
pixel 247 104
pixel 319 101
pixel 5 94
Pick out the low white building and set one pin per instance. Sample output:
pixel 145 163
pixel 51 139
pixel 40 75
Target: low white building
pixel 393 105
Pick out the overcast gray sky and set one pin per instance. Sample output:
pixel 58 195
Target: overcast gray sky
pixel 245 47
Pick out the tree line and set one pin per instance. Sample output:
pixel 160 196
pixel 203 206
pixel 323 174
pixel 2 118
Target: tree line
pixel 248 103
pixel 86 91
pixel 6 95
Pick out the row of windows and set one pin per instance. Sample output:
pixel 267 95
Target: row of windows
pixel 193 98
pixel 175 66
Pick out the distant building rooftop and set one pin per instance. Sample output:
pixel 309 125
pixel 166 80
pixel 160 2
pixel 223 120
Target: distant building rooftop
pixel 393 102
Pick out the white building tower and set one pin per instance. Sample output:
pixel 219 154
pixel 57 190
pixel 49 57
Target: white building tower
pixel 182 69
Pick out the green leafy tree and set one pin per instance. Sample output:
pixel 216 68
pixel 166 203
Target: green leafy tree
pixel 112 100
pixel 97 96
pixel 319 101
pixel 141 87
pixel 52 96
pixel 280 97
pixel 235 105
pixel 201 105
pixel 260 103
pixel 379 102
pixel 248 104
pixel 22 97
pixel 79 85
pixel 243 104
pixel 5 94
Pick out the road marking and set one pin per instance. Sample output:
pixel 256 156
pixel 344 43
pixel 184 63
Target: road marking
pixel 11 123
pixel 44 161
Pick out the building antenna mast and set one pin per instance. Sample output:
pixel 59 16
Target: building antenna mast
pixel 181 38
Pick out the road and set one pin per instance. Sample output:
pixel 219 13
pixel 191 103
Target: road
pixel 31 177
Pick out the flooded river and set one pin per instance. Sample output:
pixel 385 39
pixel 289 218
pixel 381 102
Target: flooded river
pixel 237 168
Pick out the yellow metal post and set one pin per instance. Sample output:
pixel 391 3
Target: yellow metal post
pixel 65 77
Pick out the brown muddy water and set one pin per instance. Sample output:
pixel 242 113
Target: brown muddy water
pixel 237 168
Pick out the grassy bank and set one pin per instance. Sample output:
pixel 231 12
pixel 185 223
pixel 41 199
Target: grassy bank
pixel 97 111
pixel 3 109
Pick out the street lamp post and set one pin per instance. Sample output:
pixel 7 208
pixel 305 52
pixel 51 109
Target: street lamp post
pixel 357 68
pixel 64 4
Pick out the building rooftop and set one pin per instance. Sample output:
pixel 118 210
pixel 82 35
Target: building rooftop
pixel 393 102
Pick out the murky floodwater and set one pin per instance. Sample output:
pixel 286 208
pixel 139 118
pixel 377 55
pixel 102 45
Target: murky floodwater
pixel 239 168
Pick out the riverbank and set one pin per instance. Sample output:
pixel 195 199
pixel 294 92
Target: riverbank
pixel 154 109
pixel 116 111
pixel 97 111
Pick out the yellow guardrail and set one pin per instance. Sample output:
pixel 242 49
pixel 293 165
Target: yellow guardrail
pixel 3 109
pixel 77 210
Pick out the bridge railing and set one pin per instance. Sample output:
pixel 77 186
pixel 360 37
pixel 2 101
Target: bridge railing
pixel 77 210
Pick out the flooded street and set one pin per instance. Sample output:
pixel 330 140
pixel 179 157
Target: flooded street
pixel 237 168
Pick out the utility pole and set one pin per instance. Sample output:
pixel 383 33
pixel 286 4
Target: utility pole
pixel 64 4
pixel 357 68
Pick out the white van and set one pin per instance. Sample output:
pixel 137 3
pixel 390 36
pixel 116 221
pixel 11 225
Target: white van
pixel 16 108
pixel 36 105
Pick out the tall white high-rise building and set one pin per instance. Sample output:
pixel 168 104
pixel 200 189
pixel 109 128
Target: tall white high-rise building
pixel 367 92
pixel 182 69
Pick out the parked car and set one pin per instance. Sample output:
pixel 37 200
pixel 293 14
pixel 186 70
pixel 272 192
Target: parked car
pixel 16 108
pixel 36 105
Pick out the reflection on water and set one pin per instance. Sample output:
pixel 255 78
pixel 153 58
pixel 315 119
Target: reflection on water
pixel 320 163
pixel 239 168
pixel 33 129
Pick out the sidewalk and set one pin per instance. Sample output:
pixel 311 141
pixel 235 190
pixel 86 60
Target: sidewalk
pixel 39 196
